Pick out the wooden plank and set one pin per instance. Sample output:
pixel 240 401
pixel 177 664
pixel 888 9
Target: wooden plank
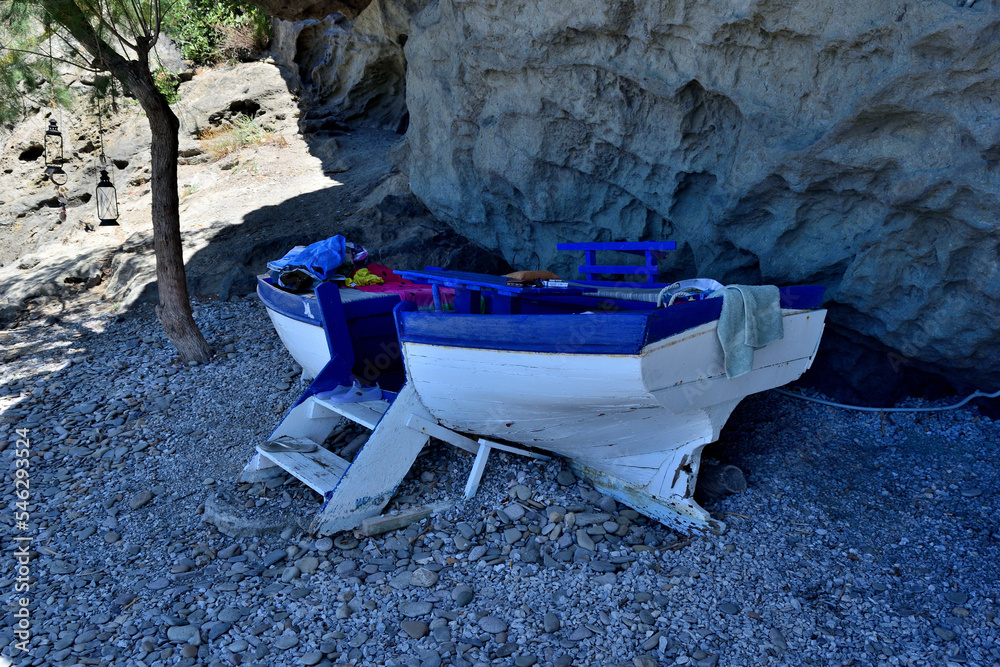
pixel 681 514
pixel 634 247
pixel 514 450
pixel 373 476
pixel 366 413
pixel 320 470
pixel 478 466
pixel 377 525
pixel 441 433
pixel 302 421
pixel 468 444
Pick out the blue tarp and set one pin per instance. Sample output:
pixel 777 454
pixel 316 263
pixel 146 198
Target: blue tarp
pixel 321 260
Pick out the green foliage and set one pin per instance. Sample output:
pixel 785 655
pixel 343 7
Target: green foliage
pixel 212 31
pixel 21 76
pixel 167 83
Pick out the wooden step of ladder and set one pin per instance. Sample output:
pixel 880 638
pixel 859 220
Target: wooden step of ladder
pixel 320 469
pixel 377 470
pixel 366 413
pixel 313 419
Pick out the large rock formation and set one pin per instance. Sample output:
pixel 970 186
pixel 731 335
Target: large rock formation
pixel 852 144
pixel 349 72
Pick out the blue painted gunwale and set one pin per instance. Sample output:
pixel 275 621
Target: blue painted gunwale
pixel 292 305
pixel 615 332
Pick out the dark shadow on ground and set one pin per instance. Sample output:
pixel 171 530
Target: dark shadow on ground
pixel 399 233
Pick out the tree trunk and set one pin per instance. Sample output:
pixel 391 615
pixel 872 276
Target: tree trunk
pixel 174 310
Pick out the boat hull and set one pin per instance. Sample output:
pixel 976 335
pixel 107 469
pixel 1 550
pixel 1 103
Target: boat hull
pixel 306 342
pixel 636 421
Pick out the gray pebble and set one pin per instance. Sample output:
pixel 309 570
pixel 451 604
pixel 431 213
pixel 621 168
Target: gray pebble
pixel 311 658
pixel 492 624
pixel 585 541
pixel 140 499
pixel 415 629
pixel 230 615
pixel 307 565
pixel 778 639
pixel 550 622
pixel 423 577
pixel 956 597
pixel 728 608
pixel 515 511
pixel 413 609
pixel 287 640
pixel 462 595
pixel 183 633
pixel 158 584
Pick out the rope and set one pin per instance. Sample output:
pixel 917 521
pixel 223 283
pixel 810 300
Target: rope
pixel 52 85
pixel 858 408
pixel 103 159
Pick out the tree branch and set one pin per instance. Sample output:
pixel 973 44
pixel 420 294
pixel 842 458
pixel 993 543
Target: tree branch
pixel 46 55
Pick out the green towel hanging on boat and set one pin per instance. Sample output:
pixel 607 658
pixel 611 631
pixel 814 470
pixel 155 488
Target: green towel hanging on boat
pixel 750 319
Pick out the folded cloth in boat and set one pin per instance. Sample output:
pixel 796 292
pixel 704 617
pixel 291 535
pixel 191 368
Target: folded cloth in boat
pixel 422 295
pixel 750 319
pixel 321 260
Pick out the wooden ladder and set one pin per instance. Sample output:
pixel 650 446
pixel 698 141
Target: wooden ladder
pixel 356 490
pixel 360 489
pixel 352 491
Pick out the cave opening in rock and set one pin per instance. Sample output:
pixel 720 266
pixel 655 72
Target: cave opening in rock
pixel 31 153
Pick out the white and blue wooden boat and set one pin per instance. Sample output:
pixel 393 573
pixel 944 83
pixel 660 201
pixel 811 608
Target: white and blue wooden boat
pixel 601 374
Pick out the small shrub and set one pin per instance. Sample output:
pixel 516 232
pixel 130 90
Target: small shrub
pixel 242 132
pixel 213 31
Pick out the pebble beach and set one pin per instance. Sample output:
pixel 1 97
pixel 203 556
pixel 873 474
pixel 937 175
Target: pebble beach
pixel 862 539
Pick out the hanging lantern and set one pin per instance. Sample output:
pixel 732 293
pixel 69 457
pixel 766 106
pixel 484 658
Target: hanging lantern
pixel 54 154
pixel 107 201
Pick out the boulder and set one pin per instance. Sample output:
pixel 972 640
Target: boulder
pixel 254 89
pixel 853 145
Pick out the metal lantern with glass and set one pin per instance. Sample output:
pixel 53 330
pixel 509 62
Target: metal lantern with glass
pixel 54 160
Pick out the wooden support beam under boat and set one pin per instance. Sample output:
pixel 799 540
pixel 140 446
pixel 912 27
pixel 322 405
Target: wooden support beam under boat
pixel 677 512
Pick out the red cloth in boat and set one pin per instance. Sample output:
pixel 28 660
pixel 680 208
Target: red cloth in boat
pixel 407 289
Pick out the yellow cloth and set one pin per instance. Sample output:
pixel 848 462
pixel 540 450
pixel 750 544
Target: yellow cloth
pixel 365 277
